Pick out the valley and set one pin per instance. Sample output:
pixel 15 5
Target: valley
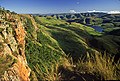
pixel 59 46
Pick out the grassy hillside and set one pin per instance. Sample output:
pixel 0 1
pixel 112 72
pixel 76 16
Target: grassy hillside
pixel 56 39
pixel 58 50
pixel 70 37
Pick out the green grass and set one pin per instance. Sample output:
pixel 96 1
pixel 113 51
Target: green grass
pixel 52 73
pixel 96 64
pixel 40 56
pixel 42 51
pixel 56 39
pixel 107 43
pixel 48 21
pixel 48 46
pixel 111 29
pixel 69 37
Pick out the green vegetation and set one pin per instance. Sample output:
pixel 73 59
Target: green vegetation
pixel 52 73
pixel 93 19
pixel 56 39
pixel 42 52
pixel 58 47
pixel 107 43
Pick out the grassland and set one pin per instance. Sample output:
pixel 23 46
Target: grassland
pixel 57 50
pixel 47 55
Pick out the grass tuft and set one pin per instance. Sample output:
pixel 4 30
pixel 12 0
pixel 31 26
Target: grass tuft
pixel 101 65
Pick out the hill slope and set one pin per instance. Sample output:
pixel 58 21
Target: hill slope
pixel 45 48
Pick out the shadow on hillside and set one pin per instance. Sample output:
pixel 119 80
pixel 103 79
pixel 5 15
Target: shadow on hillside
pixel 68 75
pixel 68 42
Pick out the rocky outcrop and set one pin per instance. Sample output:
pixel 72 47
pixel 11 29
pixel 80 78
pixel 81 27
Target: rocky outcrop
pixel 18 72
pixel 12 45
pixel 20 37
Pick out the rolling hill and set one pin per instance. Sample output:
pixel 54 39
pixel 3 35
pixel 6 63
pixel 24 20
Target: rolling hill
pixel 48 48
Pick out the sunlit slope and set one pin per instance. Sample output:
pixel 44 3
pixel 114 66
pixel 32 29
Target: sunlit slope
pixel 76 39
pixel 72 38
pixel 54 39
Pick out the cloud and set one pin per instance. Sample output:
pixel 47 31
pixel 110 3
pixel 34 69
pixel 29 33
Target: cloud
pixel 109 12
pixel 114 12
pixel 96 11
pixel 73 11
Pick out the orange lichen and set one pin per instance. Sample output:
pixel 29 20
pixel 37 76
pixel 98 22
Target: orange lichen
pixel 20 36
pixel 22 70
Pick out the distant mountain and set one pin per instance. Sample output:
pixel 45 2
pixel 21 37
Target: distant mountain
pixel 89 18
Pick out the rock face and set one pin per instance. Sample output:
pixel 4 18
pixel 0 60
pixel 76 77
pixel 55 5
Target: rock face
pixel 12 46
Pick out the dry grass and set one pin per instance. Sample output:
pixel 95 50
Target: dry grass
pixel 100 65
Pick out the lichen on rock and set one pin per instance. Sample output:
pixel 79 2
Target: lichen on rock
pixel 12 44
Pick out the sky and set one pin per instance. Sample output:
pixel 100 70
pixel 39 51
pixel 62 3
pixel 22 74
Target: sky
pixel 59 6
